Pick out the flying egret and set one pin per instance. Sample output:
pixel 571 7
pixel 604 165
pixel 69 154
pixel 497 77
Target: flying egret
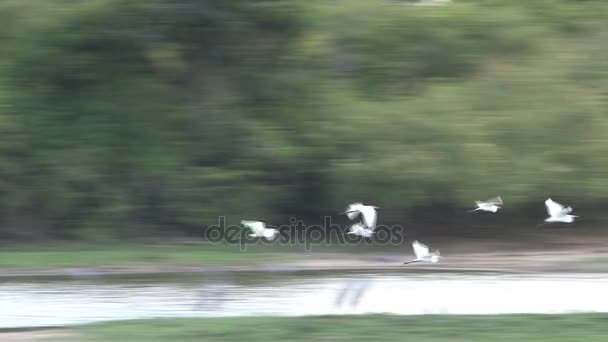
pixel 557 212
pixel 423 254
pixel 368 212
pixel 259 229
pixel 493 204
pixel 359 229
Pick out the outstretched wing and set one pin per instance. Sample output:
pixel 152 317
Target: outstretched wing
pixel 495 201
pixel 359 229
pixel 420 250
pixel 353 210
pixel 553 208
pixel 369 216
pixel 256 226
pixel 270 234
pixel 356 228
pixel 367 232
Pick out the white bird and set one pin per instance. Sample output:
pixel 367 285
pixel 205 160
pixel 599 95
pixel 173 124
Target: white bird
pixel 493 204
pixel 259 229
pixel 557 212
pixel 423 254
pixel 368 212
pixel 359 229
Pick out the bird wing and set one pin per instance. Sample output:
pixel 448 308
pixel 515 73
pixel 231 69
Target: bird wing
pixel 353 210
pixel 367 232
pixel 270 234
pixel 553 208
pixel 420 250
pixel 369 216
pixel 356 228
pixel 352 215
pixel 495 201
pixel 256 226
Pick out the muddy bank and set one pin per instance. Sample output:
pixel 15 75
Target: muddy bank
pixel 572 260
pixel 553 251
pixel 35 335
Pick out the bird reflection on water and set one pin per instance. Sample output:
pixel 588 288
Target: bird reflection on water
pixel 354 290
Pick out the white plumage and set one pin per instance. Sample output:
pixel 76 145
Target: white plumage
pixel 558 213
pixel 259 229
pixel 423 254
pixel 359 229
pixel 368 212
pixel 491 205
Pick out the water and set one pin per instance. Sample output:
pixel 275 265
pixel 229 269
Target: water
pixel 74 301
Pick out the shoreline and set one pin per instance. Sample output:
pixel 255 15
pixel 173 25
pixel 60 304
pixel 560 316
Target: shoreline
pixel 559 252
pixel 572 261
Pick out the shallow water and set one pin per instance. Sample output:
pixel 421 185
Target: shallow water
pixel 90 299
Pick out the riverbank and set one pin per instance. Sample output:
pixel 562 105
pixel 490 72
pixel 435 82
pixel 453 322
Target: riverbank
pixel 430 328
pixel 554 251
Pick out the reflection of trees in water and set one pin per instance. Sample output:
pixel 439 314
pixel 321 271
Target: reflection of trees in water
pixel 353 290
pixel 213 289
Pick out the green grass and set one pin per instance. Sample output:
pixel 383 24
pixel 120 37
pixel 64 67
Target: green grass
pixel 136 255
pixel 89 255
pixel 555 328
pixel 597 261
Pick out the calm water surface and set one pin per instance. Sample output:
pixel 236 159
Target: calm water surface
pixel 84 299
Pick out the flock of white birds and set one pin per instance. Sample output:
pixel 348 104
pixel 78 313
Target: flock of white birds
pixel 369 216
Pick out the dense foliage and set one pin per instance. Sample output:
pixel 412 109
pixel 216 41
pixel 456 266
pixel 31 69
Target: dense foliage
pixel 130 118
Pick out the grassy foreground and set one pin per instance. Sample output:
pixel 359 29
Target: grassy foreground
pixel 555 328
